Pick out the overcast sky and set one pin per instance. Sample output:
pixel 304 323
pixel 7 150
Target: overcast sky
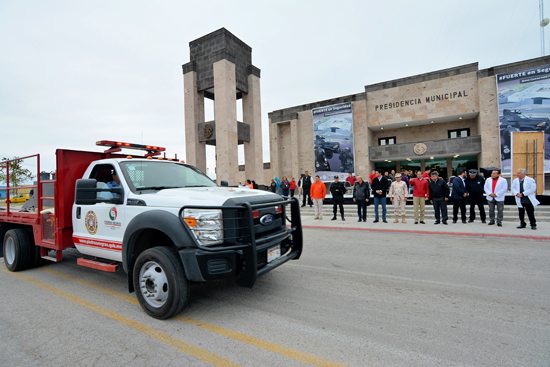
pixel 74 72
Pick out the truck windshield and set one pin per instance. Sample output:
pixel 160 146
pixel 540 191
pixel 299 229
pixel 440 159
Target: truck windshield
pixel 155 175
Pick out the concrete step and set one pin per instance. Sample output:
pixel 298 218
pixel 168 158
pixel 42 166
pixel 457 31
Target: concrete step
pixel 542 213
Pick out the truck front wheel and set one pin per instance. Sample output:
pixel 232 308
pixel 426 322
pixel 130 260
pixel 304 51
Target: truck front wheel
pixel 160 282
pixel 17 250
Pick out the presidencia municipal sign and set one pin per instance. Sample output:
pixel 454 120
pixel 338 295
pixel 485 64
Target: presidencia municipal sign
pixel 523 105
pixel 333 141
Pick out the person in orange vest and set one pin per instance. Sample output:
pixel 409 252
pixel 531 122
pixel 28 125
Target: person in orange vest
pixel 318 193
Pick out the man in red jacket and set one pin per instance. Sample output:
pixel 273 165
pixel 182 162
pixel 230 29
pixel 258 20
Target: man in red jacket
pixel 420 195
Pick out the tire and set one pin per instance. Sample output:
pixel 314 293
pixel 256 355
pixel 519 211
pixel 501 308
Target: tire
pixel 36 260
pixel 3 231
pixel 329 154
pixel 162 288
pixel 17 250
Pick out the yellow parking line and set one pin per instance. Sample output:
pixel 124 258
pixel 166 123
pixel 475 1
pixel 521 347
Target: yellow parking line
pixel 272 347
pixel 199 353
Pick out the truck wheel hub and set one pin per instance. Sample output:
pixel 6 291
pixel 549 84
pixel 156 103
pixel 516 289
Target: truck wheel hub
pixel 153 284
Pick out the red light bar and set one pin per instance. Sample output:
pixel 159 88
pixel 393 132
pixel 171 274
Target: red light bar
pixel 115 144
pixel 256 214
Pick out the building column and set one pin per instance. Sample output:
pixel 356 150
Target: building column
pixel 195 151
pixel 487 123
pixel 225 115
pixel 252 115
pixel 294 157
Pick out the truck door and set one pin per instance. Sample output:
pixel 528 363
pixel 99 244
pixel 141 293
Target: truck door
pixel 98 228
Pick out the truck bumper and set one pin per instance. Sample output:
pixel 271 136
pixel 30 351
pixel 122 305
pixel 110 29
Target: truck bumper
pixel 250 260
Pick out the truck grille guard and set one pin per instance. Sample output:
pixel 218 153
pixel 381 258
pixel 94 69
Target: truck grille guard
pixel 239 220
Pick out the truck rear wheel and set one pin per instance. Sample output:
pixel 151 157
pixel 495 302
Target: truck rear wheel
pixel 161 286
pixel 17 250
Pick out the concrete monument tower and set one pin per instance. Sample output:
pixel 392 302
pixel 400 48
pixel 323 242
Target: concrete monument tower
pixel 221 69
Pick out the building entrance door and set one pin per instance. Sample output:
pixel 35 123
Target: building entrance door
pixel 439 165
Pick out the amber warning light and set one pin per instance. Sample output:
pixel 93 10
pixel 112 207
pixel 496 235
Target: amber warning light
pixel 115 146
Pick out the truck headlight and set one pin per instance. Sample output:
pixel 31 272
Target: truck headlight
pixel 206 225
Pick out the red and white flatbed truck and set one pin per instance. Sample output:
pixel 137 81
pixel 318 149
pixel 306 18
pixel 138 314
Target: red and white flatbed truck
pixel 165 221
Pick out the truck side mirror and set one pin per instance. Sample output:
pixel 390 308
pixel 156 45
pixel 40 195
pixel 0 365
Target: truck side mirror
pixel 85 192
pixel 224 183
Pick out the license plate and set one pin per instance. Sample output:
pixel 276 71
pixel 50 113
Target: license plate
pixel 273 253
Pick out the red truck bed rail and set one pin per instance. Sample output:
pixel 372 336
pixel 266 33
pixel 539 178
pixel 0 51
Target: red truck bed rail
pixel 52 226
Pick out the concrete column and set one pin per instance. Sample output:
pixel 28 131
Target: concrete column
pixel 488 123
pixel 294 155
pixel 252 115
pixel 274 148
pixel 225 115
pixel 195 152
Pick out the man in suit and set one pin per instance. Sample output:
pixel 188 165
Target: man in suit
pixel 379 187
pixel 495 188
pixel 459 194
pixel 524 189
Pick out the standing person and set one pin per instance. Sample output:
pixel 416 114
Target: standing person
pixel 285 186
pixel 495 188
pixel 420 195
pixel 460 192
pixel 337 189
pixel 292 187
pixel 318 193
pixel 273 186
pixel 439 195
pixel 351 179
pixel 379 188
pixel 398 196
pixel 278 185
pixel 249 184
pixel 392 175
pixel 305 185
pixel 372 175
pixel 524 189
pixel 361 194
pixel 404 178
pixel 475 184
pixel 390 180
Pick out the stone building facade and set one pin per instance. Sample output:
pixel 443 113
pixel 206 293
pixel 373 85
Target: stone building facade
pixel 450 116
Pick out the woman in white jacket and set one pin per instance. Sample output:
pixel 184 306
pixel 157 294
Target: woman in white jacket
pixel 524 189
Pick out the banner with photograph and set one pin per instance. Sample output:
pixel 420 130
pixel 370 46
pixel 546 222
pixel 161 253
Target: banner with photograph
pixel 523 105
pixel 333 141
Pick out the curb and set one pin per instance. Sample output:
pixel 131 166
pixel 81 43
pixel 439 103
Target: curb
pixel 538 238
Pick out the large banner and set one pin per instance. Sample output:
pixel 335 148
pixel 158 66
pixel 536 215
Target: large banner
pixel 333 141
pixel 523 105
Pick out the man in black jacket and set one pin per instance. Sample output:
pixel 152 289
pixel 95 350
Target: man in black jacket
pixel 337 189
pixel 379 188
pixel 475 184
pixel 439 195
pixel 361 194
pixel 305 185
pixel 459 195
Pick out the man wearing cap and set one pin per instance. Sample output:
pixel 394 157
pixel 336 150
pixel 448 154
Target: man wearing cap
pixel 475 184
pixel 459 194
pixel 495 188
pixel 439 195
pixel 337 189
pixel 524 189
pixel 398 196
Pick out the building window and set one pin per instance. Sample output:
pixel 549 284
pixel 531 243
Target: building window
pixel 386 141
pixel 459 133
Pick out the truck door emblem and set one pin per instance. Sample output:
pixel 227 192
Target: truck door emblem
pixel 90 221
pixel 112 213
pixel 267 219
